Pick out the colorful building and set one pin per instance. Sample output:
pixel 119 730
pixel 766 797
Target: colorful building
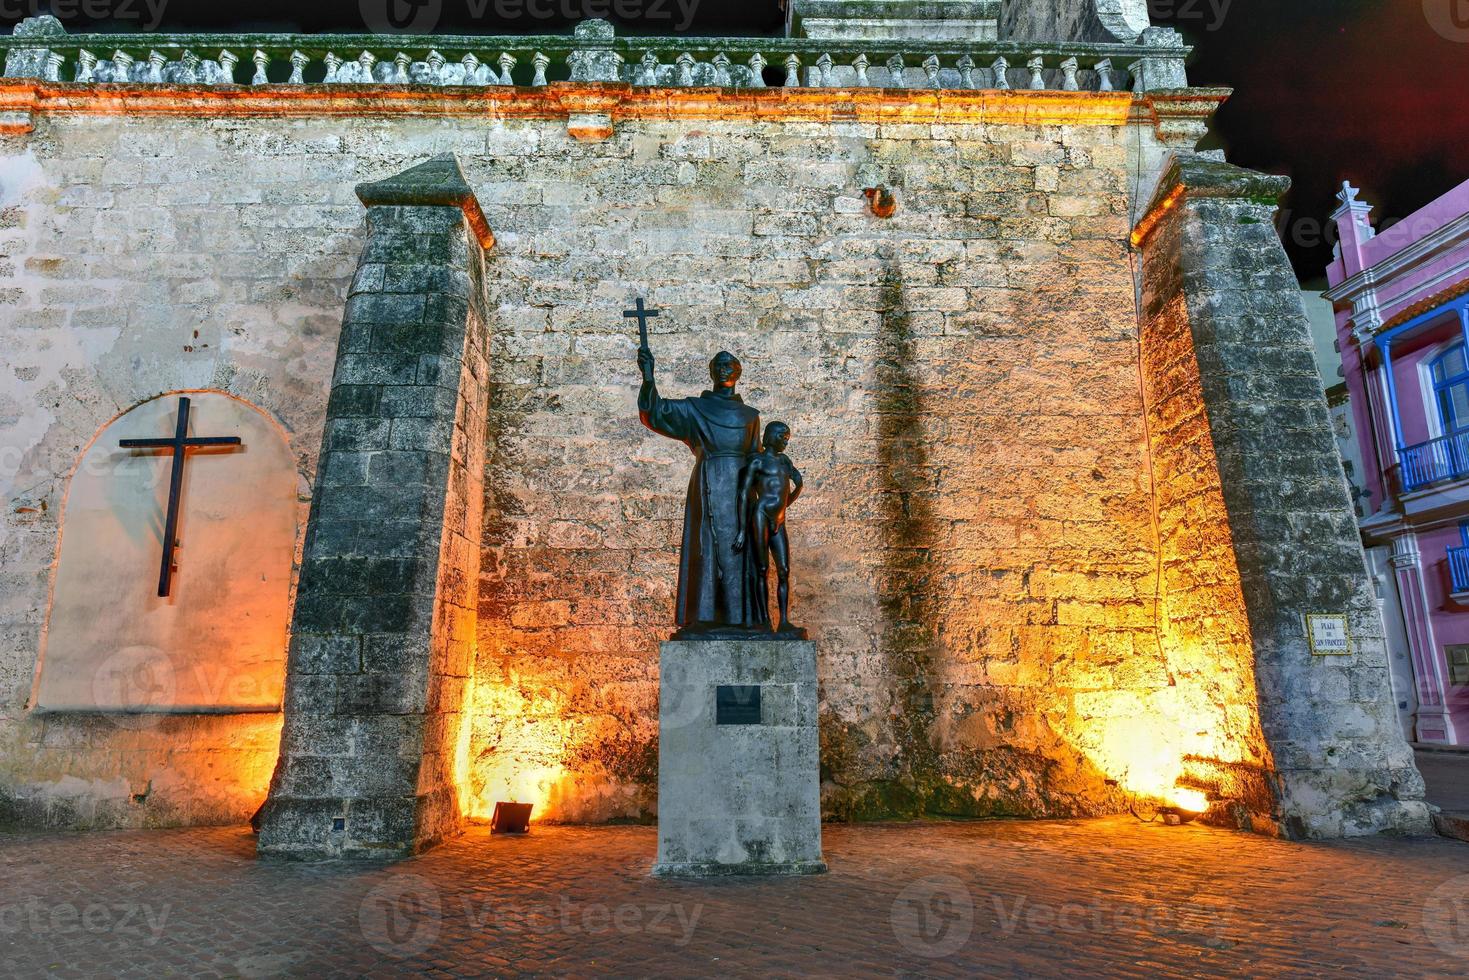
pixel 1402 318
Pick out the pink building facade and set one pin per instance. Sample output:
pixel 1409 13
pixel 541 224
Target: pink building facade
pixel 1402 317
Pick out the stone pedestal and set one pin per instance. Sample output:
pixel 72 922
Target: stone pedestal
pixel 738 771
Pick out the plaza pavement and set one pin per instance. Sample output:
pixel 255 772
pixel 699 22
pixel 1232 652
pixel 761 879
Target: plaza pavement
pixel 1101 897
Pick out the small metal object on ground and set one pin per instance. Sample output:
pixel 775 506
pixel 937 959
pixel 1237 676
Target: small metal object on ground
pixel 511 818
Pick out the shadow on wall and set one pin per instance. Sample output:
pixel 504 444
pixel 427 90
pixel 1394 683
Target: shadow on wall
pixel 909 643
pixel 967 749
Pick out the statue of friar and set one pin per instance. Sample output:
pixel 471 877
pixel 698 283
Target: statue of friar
pixel 716 582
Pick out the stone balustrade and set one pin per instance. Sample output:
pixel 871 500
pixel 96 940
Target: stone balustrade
pixel 41 49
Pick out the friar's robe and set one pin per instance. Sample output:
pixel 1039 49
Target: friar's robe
pixel 715 582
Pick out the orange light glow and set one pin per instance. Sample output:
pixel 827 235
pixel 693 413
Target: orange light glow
pixel 1190 800
pixel 562 99
pixel 1155 217
pixel 1143 745
pixel 526 764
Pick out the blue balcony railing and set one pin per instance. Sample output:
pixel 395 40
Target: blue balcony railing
pixel 1434 461
pixel 1459 569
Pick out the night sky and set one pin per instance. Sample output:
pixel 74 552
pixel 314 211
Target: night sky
pixel 1333 90
pixel 1375 91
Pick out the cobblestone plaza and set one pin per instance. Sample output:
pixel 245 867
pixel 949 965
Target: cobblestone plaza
pixel 1102 897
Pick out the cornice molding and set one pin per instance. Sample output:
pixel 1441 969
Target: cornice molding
pixel 1191 176
pixel 1400 261
pixel 23 100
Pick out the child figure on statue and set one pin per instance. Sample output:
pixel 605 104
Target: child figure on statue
pixel 770 484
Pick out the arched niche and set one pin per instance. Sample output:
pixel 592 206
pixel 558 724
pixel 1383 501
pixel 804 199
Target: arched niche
pixel 216 643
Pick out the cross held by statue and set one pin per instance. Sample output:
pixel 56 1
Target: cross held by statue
pixel 642 313
pixel 179 446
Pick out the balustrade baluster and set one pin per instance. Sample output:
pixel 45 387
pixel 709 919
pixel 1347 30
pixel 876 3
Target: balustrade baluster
pixel 472 68
pixel 966 72
pixel 86 65
pixel 122 66
pixel 793 71
pixel 896 71
pixel 365 62
pixel 298 68
pixel 1103 69
pixel 859 65
pixel 227 62
pixel 648 69
pixel 931 70
pixel 1068 72
pixel 823 71
pixel 156 61
pixel 1037 73
pixel 539 62
pixel 757 70
pixel 1001 68
pixel 117 68
pixel 333 65
pixel 507 65
pixel 261 59
pixel 721 70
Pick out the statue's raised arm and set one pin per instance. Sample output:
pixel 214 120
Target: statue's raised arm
pixel 648 393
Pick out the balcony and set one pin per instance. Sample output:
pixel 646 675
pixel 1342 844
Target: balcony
pixel 1435 461
pixel 1459 571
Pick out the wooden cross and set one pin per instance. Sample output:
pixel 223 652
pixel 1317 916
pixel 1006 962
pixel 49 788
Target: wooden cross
pixel 642 314
pixel 179 446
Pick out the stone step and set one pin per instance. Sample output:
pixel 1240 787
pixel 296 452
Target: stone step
pixel 1453 824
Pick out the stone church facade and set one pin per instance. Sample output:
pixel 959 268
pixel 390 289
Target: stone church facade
pixel 1071 488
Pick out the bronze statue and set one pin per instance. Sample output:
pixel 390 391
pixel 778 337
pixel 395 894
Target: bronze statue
pixel 716 595
pixel 771 483
pixel 723 589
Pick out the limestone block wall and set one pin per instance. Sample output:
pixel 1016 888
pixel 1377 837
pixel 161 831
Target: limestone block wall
pixel 138 259
pixel 975 553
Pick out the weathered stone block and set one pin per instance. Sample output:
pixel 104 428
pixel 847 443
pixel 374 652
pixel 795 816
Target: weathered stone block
pixel 318 654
